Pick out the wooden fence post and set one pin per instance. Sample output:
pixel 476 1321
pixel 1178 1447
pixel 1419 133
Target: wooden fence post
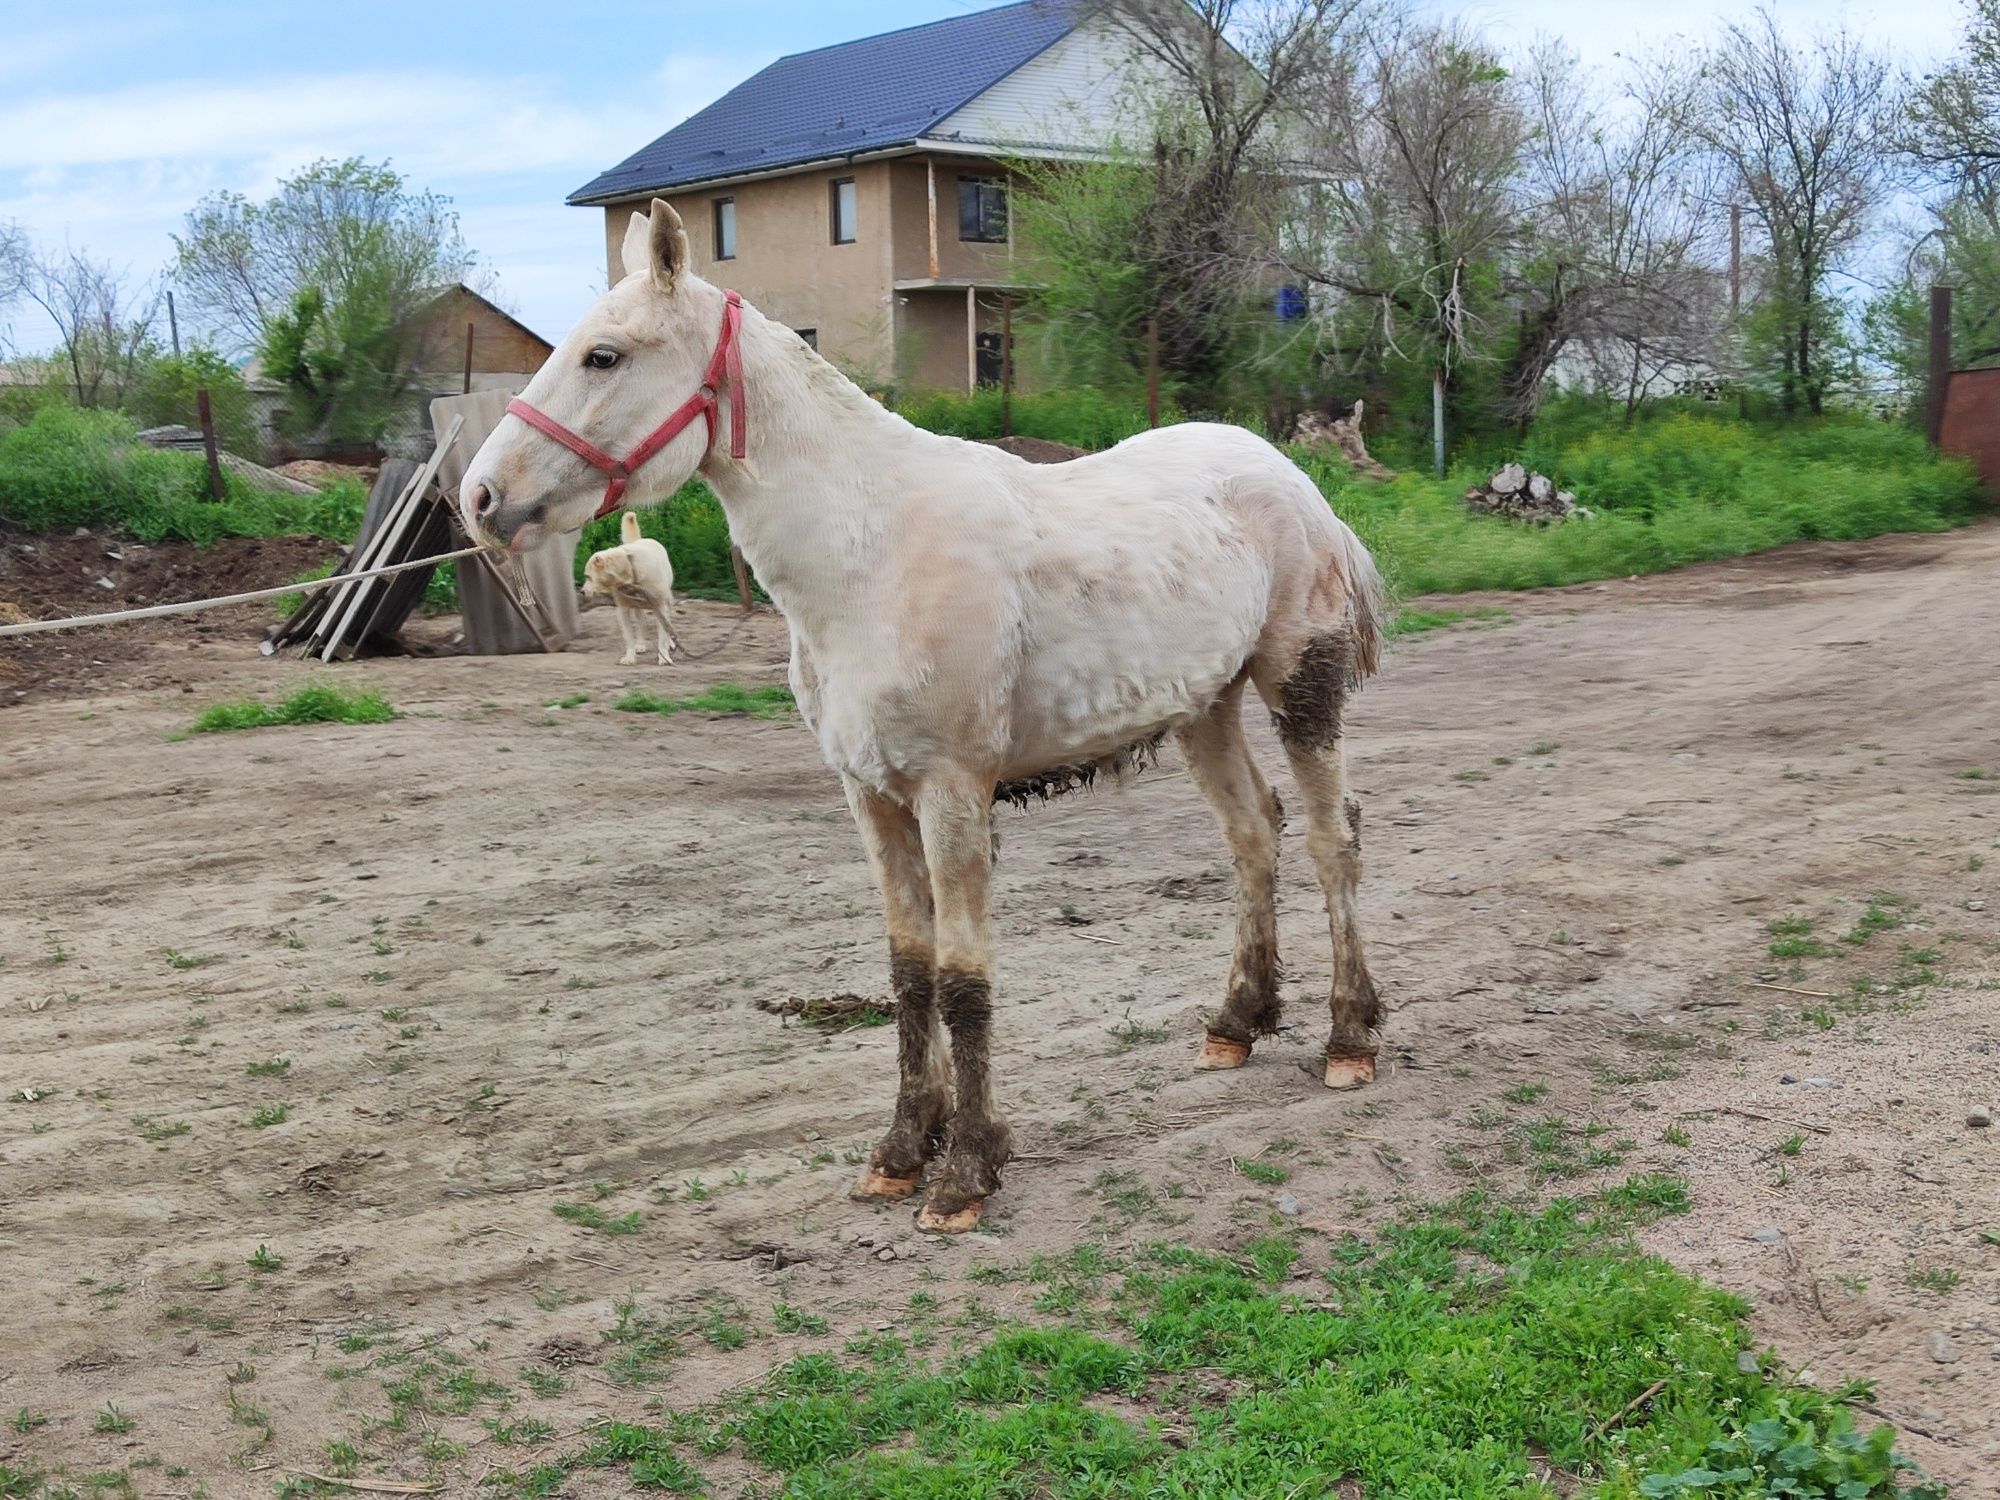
pixel 201 406
pixel 1940 366
pixel 468 360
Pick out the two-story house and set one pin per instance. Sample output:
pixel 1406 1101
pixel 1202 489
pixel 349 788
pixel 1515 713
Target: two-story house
pixel 859 193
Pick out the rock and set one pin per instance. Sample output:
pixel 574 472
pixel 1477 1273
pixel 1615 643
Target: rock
pixel 1746 1362
pixel 1289 1206
pixel 1941 1348
pixel 887 1252
pixel 1520 496
pixel 1768 1235
pixel 1979 1117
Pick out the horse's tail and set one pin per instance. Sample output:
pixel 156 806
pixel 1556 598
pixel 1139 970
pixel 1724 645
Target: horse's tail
pixel 1369 600
pixel 628 528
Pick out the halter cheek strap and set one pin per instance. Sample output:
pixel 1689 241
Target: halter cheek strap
pixel 725 372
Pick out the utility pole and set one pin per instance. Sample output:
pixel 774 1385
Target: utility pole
pixel 174 325
pixel 1940 364
pixel 1735 259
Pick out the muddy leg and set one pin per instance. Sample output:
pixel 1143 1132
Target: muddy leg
pixel 1219 761
pixel 923 1096
pixel 1310 701
pixel 669 642
pixel 956 820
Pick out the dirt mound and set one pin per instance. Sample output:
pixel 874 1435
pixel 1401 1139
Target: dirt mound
pixel 50 577
pixel 1036 450
pixel 318 473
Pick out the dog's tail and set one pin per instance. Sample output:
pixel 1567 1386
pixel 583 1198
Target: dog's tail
pixel 629 527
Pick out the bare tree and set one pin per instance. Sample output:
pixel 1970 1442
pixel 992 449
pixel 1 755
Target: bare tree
pixel 1951 120
pixel 1804 133
pixel 1619 224
pixel 1417 138
pixel 1227 77
pixel 105 329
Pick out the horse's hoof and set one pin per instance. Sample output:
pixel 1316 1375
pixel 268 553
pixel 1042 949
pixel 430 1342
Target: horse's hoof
pixel 966 1219
pixel 1349 1070
pixel 878 1187
pixel 1220 1052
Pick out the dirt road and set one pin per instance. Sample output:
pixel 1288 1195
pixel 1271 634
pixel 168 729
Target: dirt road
pixel 374 1002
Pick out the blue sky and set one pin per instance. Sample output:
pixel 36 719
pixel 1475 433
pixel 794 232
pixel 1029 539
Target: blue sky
pixel 115 117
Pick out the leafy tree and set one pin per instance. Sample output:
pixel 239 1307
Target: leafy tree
pixel 164 392
pixel 326 280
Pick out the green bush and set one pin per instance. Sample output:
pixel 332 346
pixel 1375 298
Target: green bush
pixel 1678 488
pixel 67 467
pixel 1083 418
pixel 691 526
pixel 165 392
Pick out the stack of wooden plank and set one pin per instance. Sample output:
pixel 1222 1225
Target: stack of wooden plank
pixel 406 519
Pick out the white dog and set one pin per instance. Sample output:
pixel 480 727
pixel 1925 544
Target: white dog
pixel 639 579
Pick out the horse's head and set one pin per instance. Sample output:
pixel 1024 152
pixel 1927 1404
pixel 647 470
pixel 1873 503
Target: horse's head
pixel 641 349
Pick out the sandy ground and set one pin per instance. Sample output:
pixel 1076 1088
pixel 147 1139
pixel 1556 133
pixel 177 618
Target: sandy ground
pixel 495 957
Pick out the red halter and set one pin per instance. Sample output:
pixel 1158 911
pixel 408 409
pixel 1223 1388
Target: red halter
pixel 725 365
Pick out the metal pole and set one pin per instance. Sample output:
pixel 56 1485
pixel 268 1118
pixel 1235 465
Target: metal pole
pixel 1735 258
pixel 174 325
pixel 208 443
pixel 1437 421
pixel 468 359
pixel 1940 366
pixel 1007 366
pixel 1152 372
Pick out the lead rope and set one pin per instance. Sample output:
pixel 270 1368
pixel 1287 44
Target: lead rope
pixel 195 606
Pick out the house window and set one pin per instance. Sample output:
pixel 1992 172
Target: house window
pixel 810 335
pixel 843 211
pixel 725 229
pixel 982 210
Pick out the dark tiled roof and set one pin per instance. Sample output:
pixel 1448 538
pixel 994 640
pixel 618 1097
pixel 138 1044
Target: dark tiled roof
pixel 858 96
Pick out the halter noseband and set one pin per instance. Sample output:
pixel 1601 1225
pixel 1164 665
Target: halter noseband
pixel 725 370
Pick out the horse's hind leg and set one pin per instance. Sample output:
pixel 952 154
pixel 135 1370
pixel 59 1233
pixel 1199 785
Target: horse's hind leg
pixel 1219 762
pixel 1307 702
pixel 923 1096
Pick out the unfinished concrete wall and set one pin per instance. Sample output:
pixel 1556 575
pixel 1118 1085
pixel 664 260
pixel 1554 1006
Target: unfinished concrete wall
pixel 786 263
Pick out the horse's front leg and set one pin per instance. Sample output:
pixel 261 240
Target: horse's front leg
pixel 923 1096
pixel 955 816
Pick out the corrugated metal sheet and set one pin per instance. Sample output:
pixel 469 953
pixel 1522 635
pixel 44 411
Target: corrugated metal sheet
pixel 859 96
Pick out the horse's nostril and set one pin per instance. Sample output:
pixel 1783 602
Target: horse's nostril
pixel 485 501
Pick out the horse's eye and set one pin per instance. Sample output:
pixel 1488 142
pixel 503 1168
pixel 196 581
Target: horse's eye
pixel 601 359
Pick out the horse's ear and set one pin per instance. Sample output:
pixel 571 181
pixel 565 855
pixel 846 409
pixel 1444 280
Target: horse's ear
pixel 634 252
pixel 669 250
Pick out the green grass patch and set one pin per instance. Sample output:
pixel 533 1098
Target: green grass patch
pixel 64 468
pixel 1450 1355
pixel 765 701
pixel 315 703
pixel 590 1216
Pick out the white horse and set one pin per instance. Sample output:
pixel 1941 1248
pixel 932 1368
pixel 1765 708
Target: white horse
pixel 968 626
